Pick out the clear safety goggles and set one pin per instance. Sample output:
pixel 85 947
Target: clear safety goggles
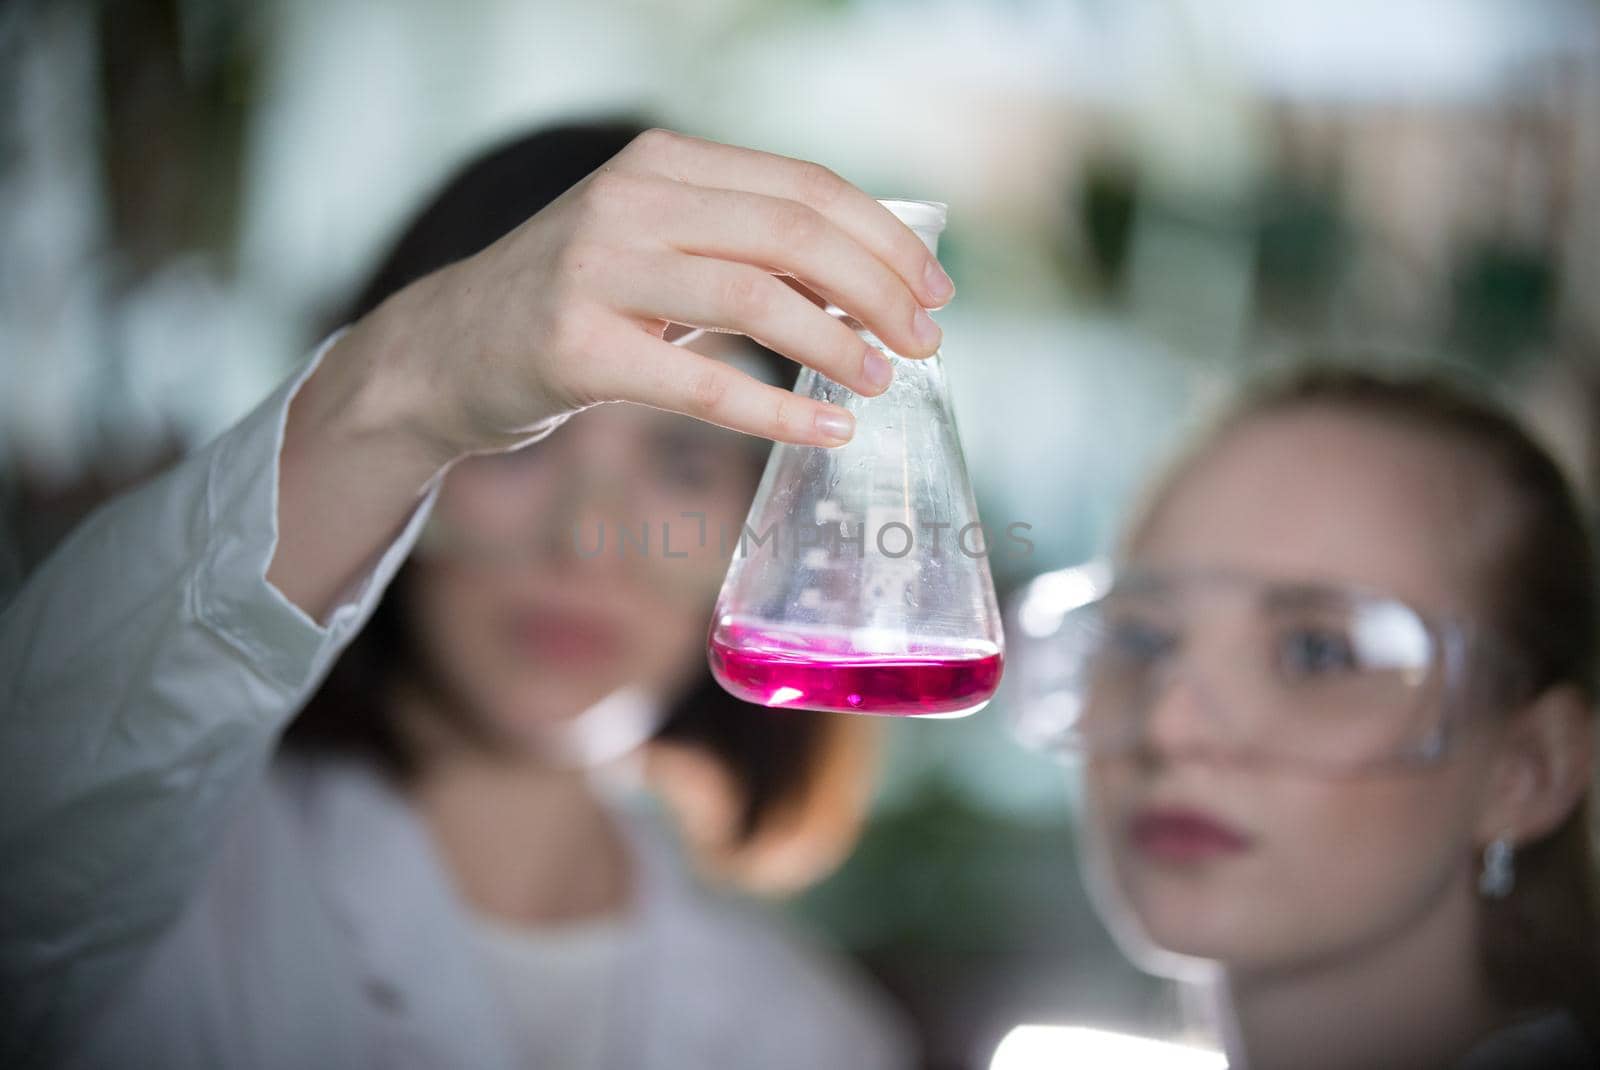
pixel 1323 675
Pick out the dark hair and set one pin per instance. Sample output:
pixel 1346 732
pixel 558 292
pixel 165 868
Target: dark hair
pixel 772 753
pixel 1540 591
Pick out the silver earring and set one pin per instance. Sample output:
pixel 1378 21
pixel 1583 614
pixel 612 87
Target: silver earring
pixel 1499 875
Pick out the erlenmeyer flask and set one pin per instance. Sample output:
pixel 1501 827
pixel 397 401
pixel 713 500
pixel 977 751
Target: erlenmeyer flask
pixel 861 580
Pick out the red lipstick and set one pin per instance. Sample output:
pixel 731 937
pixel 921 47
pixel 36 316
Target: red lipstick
pixel 1181 835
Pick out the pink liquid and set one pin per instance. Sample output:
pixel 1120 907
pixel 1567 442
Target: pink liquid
pixel 764 669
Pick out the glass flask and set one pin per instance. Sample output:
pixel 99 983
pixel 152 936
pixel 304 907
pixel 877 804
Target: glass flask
pixel 860 582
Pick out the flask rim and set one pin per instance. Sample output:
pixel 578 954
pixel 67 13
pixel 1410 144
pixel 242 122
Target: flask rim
pixel 927 216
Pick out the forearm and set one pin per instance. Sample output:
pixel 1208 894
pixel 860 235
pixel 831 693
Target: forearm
pixel 146 669
pixel 356 461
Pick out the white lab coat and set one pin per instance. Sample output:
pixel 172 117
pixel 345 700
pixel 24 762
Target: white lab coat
pixel 171 896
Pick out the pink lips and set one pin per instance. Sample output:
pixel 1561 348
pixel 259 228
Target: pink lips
pixel 1181 835
pixel 565 636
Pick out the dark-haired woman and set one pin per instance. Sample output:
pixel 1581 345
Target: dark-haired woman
pixel 428 876
pixel 1338 713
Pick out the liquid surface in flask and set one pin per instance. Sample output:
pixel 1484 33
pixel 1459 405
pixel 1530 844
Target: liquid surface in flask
pixel 864 586
pixel 823 672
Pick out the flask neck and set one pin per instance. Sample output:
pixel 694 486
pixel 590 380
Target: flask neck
pixel 925 218
pixel 873 340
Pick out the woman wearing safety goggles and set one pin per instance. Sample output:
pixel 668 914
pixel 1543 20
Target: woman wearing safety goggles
pixel 1334 704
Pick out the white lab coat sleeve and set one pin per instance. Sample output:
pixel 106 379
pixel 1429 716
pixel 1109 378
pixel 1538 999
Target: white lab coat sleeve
pixel 147 669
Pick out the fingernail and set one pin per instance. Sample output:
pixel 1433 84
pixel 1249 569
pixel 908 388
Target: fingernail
pixel 834 425
pixel 875 370
pixel 940 288
pixel 924 329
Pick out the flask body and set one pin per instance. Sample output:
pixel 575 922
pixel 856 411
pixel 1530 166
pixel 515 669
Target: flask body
pixel 861 580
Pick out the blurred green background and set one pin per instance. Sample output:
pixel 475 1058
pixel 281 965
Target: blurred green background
pixel 1147 201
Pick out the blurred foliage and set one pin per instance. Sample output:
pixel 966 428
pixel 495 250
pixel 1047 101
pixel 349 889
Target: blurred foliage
pixel 1107 204
pixel 1301 245
pixel 931 875
pixel 177 88
pixel 1503 300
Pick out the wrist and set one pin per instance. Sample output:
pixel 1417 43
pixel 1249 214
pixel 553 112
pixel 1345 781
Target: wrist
pixel 365 398
pixel 392 385
pixel 420 371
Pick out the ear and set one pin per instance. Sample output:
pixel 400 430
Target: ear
pixel 1542 768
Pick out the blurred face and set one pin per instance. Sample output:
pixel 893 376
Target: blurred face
pixel 557 574
pixel 1259 865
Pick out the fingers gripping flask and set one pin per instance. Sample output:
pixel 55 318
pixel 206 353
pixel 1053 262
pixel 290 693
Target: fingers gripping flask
pixel 861 582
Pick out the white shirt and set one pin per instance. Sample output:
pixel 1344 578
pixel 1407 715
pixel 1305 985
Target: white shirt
pixel 555 983
pixel 171 896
